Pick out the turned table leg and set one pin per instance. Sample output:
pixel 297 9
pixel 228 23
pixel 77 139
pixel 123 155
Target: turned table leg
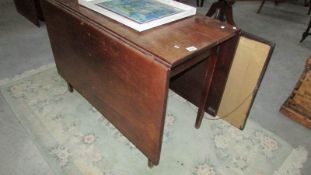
pixel 70 88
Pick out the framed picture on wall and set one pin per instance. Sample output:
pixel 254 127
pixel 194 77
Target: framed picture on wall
pixel 141 14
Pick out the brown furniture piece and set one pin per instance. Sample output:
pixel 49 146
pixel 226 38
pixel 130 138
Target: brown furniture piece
pixel 31 9
pixel 222 10
pixel 126 75
pixel 298 105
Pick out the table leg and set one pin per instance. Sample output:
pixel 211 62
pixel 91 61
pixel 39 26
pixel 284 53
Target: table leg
pixel 70 88
pixel 206 86
pixel 150 164
pixel 260 7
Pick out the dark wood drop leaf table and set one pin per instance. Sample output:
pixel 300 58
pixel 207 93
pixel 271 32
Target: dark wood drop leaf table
pixel 126 74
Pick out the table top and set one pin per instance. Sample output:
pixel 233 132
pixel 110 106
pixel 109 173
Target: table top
pixel 167 43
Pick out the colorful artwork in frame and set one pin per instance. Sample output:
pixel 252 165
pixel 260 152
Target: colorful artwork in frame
pixel 141 14
pixel 141 11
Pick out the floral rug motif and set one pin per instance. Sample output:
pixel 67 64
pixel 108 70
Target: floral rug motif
pixel 76 139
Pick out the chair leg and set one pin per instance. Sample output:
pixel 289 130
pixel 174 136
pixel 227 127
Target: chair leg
pixel 306 33
pixel 198 3
pixel 260 7
pixel 202 3
pixel 304 36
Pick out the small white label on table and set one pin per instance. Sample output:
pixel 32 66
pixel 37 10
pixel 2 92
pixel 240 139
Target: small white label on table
pixel 191 48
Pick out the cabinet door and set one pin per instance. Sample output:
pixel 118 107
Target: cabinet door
pixel 246 72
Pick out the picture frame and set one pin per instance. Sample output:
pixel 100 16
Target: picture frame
pixel 140 15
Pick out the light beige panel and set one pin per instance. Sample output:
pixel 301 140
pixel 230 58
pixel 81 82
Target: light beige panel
pixel 244 74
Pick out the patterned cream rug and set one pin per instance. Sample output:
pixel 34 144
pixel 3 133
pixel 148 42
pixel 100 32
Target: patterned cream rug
pixel 75 139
